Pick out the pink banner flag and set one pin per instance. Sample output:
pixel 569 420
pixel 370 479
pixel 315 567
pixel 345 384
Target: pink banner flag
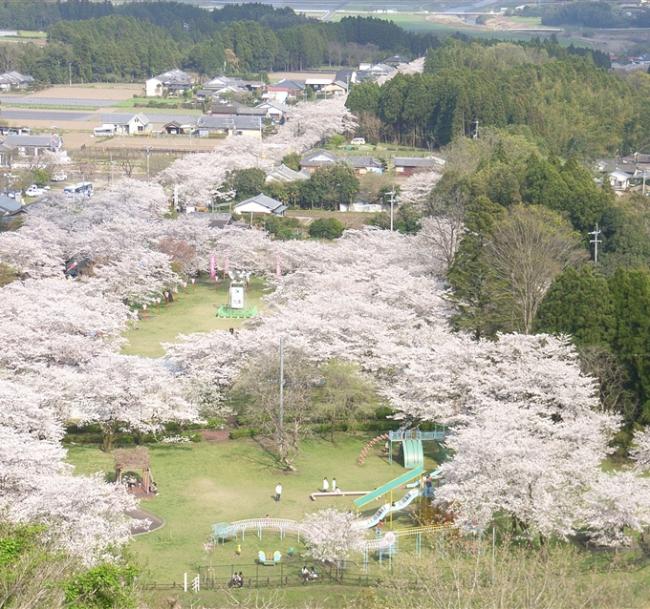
pixel 213 266
pixel 278 268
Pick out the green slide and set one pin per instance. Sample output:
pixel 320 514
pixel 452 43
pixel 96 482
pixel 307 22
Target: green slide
pixel 389 486
pixel 412 453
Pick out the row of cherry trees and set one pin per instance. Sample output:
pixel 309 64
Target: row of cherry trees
pixel 528 436
pixel 60 360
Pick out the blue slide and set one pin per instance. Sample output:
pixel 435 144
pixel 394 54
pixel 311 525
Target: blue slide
pixel 386 509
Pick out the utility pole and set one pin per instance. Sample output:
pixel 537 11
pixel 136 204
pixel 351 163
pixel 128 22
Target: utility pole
pixel 148 152
pixel 392 204
pixel 596 241
pixel 281 417
pixel 70 73
pixel 475 129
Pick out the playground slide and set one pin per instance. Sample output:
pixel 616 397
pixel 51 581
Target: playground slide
pixel 393 484
pixel 386 509
pixel 413 453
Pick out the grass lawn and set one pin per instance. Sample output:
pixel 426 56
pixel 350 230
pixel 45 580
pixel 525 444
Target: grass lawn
pixel 204 483
pixel 172 102
pixel 193 310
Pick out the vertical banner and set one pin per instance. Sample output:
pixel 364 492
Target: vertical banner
pixel 213 266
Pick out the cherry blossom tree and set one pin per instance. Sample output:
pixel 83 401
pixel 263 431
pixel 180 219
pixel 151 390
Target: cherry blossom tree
pixel 130 392
pixel 137 278
pixel 84 516
pixel 57 322
pixel 27 411
pixel 615 505
pixel 640 452
pixel 36 250
pixel 330 535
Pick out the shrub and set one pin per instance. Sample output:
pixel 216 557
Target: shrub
pixel 242 432
pixel 326 228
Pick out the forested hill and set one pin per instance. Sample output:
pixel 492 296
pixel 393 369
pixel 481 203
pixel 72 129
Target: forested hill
pixel 561 96
pixel 103 42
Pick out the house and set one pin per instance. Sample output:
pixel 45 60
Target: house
pixel 349 77
pixel 364 164
pixel 178 128
pixel 5 130
pixel 236 108
pixel 260 204
pixel 318 83
pixel 223 124
pixel 395 60
pixel 15 81
pixel 322 158
pixel 11 205
pixel 285 90
pixel 311 161
pixel 407 166
pixel 370 71
pixel 619 180
pixel 284 175
pixel 275 111
pixel 16 146
pixel 173 82
pixel 6 155
pixel 362 206
pixel 221 82
pixel 124 124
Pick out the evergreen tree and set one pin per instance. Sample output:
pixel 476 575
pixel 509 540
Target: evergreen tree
pixel 579 303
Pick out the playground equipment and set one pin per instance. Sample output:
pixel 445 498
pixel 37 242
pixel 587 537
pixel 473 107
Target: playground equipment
pixel 336 493
pixel 390 486
pixel 389 508
pixel 411 439
pixel 269 562
pixel 236 308
pixel 221 531
pixel 366 449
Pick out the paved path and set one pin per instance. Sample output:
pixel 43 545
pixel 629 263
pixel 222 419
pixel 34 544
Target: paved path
pixel 45 115
pixel 144 522
pixel 28 100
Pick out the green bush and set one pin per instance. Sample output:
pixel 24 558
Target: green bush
pixel 282 228
pixel 326 228
pixel 242 432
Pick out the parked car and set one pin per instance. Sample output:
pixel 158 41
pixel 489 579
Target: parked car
pixel 59 176
pixel 34 191
pixel 358 141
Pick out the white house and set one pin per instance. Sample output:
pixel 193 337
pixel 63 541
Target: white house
pixel 15 80
pixel 173 82
pixel 16 146
pixel 619 180
pixel 275 111
pixel 124 124
pixel 260 204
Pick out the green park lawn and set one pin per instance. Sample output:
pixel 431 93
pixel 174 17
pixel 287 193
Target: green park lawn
pixel 204 483
pixel 193 310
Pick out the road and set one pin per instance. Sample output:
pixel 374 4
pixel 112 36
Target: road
pixel 60 115
pixel 45 115
pixel 29 100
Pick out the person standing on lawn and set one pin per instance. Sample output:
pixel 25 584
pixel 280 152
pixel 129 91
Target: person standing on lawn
pixel 278 492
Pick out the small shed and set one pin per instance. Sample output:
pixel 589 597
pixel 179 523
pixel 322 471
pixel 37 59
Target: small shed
pixel 135 460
